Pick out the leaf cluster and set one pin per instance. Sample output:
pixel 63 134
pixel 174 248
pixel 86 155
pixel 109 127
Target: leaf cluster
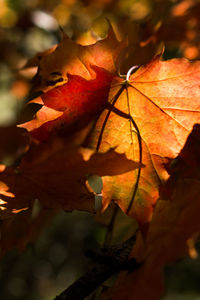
pixel 139 132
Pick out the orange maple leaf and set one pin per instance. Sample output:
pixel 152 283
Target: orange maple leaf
pixel 56 174
pixel 156 108
pixel 148 117
pixel 173 230
pixel 76 80
pixel 68 57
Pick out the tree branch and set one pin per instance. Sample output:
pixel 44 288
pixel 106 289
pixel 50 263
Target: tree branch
pixel 109 260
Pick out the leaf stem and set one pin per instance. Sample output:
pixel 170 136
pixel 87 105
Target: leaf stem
pixel 111 108
pixel 128 116
pixel 108 114
pixel 140 150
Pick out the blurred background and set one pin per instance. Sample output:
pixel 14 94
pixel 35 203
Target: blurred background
pixel 27 27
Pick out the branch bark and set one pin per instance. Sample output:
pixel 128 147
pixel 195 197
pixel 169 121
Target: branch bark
pixel 109 261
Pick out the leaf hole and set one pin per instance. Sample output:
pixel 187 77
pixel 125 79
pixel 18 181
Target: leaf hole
pixel 96 184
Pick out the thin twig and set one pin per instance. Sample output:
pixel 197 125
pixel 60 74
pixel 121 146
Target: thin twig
pixel 110 260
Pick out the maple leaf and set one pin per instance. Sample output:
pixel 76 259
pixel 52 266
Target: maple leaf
pixel 68 57
pixel 70 107
pixel 22 228
pixel 148 116
pixel 156 108
pixel 152 108
pixel 173 230
pixel 56 174
pixel 76 80
pixel 15 143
